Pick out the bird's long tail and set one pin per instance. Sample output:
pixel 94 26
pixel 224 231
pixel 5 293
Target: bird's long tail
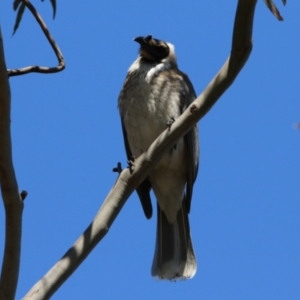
pixel 174 256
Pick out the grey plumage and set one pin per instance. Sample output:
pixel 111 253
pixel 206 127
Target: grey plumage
pixel 155 92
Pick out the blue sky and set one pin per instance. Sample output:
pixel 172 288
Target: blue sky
pixel 67 138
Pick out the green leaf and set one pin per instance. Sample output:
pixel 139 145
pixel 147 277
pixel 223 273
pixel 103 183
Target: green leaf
pixel 53 3
pixel 16 4
pixel 272 7
pixel 19 17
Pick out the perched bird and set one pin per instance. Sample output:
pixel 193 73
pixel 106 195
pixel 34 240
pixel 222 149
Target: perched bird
pixel 155 93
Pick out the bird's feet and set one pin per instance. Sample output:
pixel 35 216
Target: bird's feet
pixel 170 122
pixel 131 164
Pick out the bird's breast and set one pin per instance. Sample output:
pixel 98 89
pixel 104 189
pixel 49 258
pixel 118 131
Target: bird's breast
pixel 146 107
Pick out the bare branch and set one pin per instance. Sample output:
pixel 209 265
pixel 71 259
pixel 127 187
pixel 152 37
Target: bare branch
pixel 38 69
pixel 127 181
pixel 13 203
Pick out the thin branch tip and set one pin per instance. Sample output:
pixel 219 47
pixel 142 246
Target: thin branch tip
pixel 118 168
pixel 23 195
pixel 38 69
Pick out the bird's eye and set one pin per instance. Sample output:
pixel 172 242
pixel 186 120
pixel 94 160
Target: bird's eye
pixel 161 48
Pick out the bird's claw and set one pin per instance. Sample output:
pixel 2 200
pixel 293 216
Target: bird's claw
pixel 131 164
pixel 170 122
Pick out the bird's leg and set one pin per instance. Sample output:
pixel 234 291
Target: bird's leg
pixel 170 122
pixel 131 164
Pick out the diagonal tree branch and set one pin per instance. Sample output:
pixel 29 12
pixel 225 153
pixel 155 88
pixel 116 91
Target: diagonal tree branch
pixel 13 203
pixel 38 69
pixel 126 183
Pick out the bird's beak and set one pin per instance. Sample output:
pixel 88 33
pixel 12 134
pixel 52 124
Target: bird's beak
pixel 139 39
pixel 143 40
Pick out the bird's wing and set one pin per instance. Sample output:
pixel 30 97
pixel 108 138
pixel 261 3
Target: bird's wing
pixel 144 188
pixel 192 143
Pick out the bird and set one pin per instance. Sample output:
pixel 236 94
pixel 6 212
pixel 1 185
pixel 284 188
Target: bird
pixel 155 93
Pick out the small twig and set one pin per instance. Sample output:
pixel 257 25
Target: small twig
pixel 118 168
pixel 38 69
pixel 23 195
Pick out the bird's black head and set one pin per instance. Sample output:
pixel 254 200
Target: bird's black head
pixel 152 49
